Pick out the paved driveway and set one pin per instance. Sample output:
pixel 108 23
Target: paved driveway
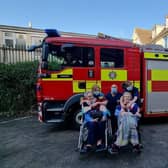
pixel 30 144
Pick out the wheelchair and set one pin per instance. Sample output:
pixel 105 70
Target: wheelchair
pixel 83 135
pixel 137 148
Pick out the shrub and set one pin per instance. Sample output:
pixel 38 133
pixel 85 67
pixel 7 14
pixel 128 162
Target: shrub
pixel 17 88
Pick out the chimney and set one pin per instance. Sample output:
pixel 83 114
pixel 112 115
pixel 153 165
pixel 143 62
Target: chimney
pixel 30 24
pixel 167 21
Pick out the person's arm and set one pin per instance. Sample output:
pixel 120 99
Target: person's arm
pixel 117 111
pixel 138 114
pixel 88 118
pixel 102 102
pixel 136 110
pixel 136 95
pixel 122 102
pixel 134 100
pixel 83 100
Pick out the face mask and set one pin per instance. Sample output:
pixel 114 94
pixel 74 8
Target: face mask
pixel 96 93
pixel 113 90
pixel 129 88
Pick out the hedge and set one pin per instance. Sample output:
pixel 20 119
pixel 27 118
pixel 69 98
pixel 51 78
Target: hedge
pixel 17 88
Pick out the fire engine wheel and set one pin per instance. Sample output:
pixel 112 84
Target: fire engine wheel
pixel 77 119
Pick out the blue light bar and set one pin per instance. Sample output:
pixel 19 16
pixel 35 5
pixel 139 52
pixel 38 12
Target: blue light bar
pixel 52 33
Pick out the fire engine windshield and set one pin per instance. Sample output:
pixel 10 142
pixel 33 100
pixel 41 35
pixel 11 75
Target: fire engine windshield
pixel 62 56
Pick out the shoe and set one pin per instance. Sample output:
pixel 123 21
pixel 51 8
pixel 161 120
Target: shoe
pixel 100 148
pixel 137 149
pixel 141 146
pixel 86 149
pixel 114 149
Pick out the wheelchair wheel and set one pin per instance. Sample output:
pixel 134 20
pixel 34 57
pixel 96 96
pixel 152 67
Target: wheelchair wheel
pixel 83 136
pixel 77 119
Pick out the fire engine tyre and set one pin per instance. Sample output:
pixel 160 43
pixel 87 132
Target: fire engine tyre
pixel 77 119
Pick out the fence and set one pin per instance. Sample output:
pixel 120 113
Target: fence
pixel 12 55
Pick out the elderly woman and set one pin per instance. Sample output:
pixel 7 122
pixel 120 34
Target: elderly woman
pixel 95 122
pixel 127 124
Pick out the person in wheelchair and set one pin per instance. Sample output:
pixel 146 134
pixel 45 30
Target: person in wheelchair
pixel 127 125
pixel 95 117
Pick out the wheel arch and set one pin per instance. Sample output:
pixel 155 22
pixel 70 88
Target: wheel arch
pixel 75 99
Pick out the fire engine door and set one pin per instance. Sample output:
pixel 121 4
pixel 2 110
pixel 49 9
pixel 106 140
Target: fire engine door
pixel 84 78
pixel 157 86
pixel 87 74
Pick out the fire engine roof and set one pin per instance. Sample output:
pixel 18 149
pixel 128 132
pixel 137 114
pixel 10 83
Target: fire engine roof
pixel 90 41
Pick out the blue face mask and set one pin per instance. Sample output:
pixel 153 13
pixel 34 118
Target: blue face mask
pixel 96 93
pixel 113 90
pixel 129 88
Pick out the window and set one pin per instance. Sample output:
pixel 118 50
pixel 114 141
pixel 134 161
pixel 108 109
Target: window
pixel 80 57
pixel 20 42
pixel 68 55
pixel 9 43
pixel 14 40
pixel 111 58
pixel 8 34
pixel 8 39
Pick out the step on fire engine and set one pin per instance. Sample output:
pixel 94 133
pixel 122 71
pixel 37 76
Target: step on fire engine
pixel 69 66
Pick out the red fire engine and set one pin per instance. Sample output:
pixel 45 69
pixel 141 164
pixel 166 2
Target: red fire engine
pixel 70 66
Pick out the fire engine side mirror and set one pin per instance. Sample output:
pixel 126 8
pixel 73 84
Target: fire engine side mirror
pixel 44 65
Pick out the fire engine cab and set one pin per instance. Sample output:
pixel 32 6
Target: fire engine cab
pixel 69 66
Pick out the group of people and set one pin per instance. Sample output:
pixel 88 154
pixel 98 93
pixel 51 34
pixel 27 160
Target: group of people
pixel 122 108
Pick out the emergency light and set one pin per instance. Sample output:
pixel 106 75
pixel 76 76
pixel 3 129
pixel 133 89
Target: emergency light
pixel 52 33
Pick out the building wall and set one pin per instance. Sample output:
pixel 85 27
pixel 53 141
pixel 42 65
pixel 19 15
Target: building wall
pixel 1 38
pixel 32 36
pixel 159 35
pixel 156 30
pixel 135 38
pixel 20 36
pixel 160 42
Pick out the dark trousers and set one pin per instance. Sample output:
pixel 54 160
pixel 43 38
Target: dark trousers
pixel 114 124
pixel 139 132
pixel 96 131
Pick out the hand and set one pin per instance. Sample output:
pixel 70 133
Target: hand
pixel 123 107
pixel 95 120
pixel 103 118
pixel 94 104
pixel 138 114
pixel 128 106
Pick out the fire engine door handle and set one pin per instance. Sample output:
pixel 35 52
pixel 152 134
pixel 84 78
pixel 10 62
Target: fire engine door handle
pixel 82 85
pixel 91 73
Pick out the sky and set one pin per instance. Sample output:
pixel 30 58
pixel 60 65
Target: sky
pixel 117 18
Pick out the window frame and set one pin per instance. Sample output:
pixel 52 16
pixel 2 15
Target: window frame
pixel 112 66
pixel 11 36
pixel 82 52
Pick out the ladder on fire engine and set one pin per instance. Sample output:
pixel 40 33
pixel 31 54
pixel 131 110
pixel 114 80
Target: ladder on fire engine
pixel 154 48
pixel 146 48
pixel 108 37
